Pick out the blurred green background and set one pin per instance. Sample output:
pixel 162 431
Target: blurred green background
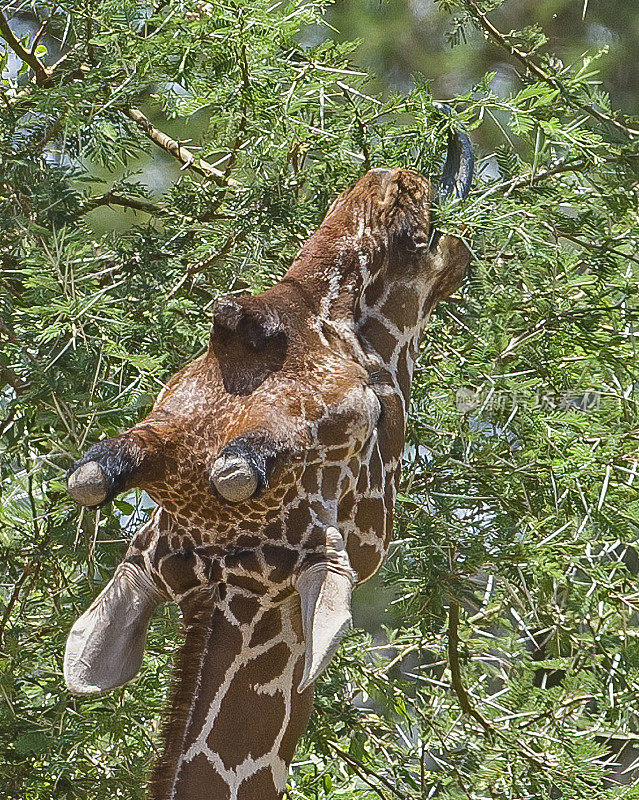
pixel 403 42
pixel 407 38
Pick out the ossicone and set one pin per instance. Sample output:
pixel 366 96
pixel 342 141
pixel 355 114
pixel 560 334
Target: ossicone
pixel 106 469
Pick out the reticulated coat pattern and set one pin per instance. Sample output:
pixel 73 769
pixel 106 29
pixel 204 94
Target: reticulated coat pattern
pixel 297 411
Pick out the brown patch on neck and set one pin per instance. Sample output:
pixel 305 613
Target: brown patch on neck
pixel 249 720
pixel 259 711
pixel 258 786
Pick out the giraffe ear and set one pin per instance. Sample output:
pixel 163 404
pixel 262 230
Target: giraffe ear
pixel 325 590
pixel 248 320
pixel 105 646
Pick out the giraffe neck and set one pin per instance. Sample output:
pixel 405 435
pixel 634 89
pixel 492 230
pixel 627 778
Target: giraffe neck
pixel 236 713
pixel 365 272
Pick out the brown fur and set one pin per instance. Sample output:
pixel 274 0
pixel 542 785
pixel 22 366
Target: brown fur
pixel 312 379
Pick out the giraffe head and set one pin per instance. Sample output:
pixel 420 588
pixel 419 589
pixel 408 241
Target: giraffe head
pixel 274 457
pixel 231 432
pixel 224 452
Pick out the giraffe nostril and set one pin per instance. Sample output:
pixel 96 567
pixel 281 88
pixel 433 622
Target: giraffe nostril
pixel 234 478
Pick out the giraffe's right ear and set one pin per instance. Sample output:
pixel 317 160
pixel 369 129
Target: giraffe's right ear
pixel 325 590
pixel 105 646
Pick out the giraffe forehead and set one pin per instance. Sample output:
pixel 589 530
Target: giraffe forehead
pixel 205 399
pixel 296 421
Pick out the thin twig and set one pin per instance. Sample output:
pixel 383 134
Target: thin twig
pixel 455 670
pixel 462 695
pixel 42 74
pixel 12 601
pixel 113 199
pixel 200 266
pixel 606 248
pixel 8 376
pixel 506 187
pixel 41 31
pixel 39 35
pixel 50 133
pixel 177 150
pixel 360 127
pixel 360 768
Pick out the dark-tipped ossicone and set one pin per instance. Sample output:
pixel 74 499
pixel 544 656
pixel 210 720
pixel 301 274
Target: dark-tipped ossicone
pixel 105 470
pixel 246 321
pixel 234 478
pixel 457 174
pixel 88 485
pixel 106 644
pixel 243 467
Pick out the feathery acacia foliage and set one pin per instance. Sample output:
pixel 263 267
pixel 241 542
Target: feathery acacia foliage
pixel 510 663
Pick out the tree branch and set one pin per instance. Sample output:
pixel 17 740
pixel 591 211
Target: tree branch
pixel 42 74
pixel 113 199
pixel 455 670
pixel 571 165
pixel 491 31
pixel 39 35
pixel 9 377
pixel 362 771
pixel 12 601
pixel 174 148
pixel 208 262
pixel 43 77
pixel 588 245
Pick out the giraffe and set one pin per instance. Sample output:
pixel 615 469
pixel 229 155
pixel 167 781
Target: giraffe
pixel 274 460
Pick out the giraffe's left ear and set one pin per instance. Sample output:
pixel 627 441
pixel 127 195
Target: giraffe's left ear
pixel 105 645
pixel 325 590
